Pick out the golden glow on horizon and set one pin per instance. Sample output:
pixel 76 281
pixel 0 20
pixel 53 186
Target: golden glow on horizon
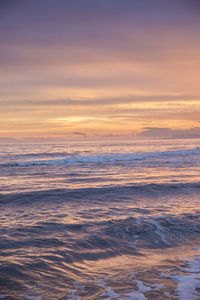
pixel 91 79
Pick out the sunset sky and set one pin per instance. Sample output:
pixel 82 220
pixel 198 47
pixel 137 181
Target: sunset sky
pixel 96 68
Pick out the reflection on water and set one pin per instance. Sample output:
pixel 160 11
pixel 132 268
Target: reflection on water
pixel 130 232
pixel 96 165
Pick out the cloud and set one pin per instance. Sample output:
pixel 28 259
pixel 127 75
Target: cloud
pixel 157 132
pixel 57 32
pixel 7 140
pixel 101 101
pixel 162 132
pixel 99 66
pixel 80 133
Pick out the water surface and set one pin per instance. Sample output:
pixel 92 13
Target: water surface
pixel 100 220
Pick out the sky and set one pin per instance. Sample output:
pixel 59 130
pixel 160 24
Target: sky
pixel 99 68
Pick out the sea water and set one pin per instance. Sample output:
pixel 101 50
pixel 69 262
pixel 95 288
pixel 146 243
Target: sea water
pixel 100 220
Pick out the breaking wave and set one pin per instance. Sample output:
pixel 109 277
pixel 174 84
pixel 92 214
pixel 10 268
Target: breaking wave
pixel 110 158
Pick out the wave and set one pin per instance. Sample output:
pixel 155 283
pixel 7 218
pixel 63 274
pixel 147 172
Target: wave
pixel 51 254
pixel 108 238
pixel 113 192
pixel 38 154
pixel 110 158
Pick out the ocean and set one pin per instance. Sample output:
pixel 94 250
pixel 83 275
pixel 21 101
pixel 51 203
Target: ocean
pixel 100 220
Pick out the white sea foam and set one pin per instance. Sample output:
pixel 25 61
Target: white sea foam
pixel 110 158
pixel 159 231
pixel 142 287
pixel 139 295
pixel 135 296
pixel 188 282
pixel 187 285
pixel 110 294
pixel 73 295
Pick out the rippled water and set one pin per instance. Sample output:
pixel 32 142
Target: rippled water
pixel 100 220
